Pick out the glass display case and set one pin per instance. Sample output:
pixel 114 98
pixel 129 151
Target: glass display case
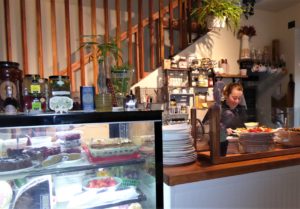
pixel 81 160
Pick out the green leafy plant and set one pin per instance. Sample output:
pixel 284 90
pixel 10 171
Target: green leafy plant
pixel 231 9
pixel 103 51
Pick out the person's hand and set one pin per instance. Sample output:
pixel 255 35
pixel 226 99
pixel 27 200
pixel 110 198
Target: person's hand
pixel 229 131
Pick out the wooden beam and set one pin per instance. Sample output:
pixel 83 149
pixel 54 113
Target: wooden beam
pixel 94 33
pixel 189 21
pixel 152 34
pixel 24 37
pixel 7 30
pixel 54 38
pixel 106 21
pixel 68 44
pixel 141 37
pixel 129 32
pixel 118 28
pixel 180 24
pixel 171 32
pixel 81 51
pixel 39 38
pixel 137 60
pixel 161 33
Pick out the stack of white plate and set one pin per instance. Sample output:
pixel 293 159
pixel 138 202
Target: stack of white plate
pixel 178 146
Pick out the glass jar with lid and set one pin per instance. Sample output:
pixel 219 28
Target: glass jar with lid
pixel 10 75
pixel 59 85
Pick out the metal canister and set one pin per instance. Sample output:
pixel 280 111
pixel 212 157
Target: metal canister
pixel 87 98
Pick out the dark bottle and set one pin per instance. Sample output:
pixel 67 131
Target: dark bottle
pixel 211 77
pixel 10 103
pixel 26 101
pixel 291 92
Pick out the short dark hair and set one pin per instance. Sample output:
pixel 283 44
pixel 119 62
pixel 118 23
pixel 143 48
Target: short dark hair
pixel 229 87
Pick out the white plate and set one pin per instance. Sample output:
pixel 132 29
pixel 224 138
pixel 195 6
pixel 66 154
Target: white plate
pixel 179 162
pixel 176 127
pixel 176 136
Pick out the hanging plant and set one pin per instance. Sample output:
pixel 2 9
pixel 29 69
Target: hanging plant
pixel 248 6
pixel 230 9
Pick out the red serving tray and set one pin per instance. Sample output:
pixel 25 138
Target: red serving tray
pixel 118 158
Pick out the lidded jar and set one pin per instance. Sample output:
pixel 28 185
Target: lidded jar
pixel 10 75
pixel 59 85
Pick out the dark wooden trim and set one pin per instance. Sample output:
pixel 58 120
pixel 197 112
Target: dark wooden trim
pixel 137 61
pixel 118 28
pixel 106 21
pixel 161 33
pixel 24 37
pixel 81 51
pixel 94 33
pixel 54 38
pixel 8 30
pixel 152 35
pixel 141 38
pixel 171 31
pixel 180 24
pixel 201 170
pixel 129 32
pixel 68 44
pixel 39 38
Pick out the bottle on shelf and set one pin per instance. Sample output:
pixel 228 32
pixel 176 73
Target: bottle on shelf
pixel 10 103
pixel 291 92
pixel 26 101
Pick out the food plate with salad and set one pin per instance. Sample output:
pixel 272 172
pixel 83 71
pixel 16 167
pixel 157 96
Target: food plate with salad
pixel 255 131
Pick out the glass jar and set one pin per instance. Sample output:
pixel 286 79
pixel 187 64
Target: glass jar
pixel 59 86
pixel 10 75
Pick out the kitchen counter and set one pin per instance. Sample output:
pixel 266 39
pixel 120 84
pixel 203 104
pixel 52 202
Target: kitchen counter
pixel 203 170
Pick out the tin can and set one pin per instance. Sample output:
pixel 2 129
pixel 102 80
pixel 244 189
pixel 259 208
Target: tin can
pixel 87 97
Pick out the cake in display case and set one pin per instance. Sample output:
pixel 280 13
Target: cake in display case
pixel 82 160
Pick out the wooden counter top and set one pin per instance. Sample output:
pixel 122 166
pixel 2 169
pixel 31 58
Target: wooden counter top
pixel 202 170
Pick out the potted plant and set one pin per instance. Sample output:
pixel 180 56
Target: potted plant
pixel 229 11
pixel 106 54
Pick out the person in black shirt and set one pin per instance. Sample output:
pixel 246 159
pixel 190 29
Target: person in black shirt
pixel 233 114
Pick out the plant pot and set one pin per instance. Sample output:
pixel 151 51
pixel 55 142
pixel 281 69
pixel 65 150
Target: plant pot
pixel 103 102
pixel 215 22
pixel 245 47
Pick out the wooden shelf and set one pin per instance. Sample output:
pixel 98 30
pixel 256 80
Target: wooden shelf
pixel 231 76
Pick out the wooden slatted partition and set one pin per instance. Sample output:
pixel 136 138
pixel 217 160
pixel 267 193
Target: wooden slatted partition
pixel 94 33
pixel 118 28
pixel 54 38
pixel 140 39
pixel 82 63
pixel 152 34
pixel 39 38
pixel 161 32
pixel 136 52
pixel 68 44
pixel 8 30
pixel 171 32
pixel 24 37
pixel 129 32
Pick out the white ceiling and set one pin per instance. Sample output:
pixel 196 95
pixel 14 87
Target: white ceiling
pixel 275 5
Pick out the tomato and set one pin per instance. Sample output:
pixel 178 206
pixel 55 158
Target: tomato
pixel 99 183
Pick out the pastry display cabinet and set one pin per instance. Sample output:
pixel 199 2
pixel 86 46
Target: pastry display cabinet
pixel 81 160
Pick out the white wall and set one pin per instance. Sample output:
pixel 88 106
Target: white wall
pixel 276 188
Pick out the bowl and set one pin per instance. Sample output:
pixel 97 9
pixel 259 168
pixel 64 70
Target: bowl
pixel 251 124
pixel 105 183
